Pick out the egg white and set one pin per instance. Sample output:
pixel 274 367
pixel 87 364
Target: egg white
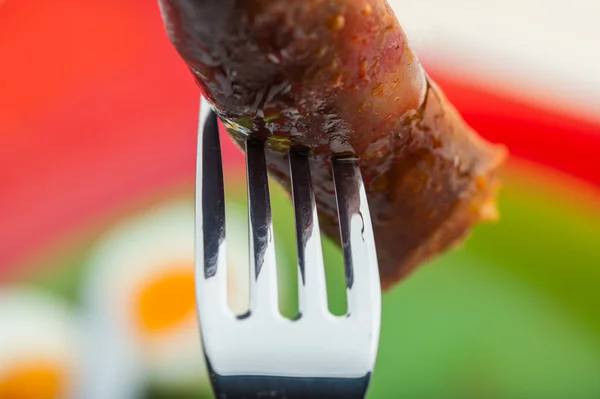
pixel 37 327
pixel 120 360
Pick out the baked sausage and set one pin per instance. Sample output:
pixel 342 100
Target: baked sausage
pixel 338 76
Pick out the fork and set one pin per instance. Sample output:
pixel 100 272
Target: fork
pixel 262 354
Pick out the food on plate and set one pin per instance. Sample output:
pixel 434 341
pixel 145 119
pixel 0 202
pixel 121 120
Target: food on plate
pixel 139 296
pixel 338 77
pixel 40 346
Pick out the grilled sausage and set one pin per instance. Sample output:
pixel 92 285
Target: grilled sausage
pixel 338 77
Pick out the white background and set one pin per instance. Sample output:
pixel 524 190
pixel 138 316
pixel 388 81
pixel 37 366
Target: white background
pixel 547 50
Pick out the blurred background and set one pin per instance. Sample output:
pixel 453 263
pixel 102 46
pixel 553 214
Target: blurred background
pixel 97 142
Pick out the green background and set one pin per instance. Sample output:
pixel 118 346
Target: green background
pixel 513 313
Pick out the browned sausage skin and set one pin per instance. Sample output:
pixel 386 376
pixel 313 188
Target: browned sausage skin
pixel 338 76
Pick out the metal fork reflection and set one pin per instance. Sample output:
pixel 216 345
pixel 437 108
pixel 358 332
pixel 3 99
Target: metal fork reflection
pixel 263 354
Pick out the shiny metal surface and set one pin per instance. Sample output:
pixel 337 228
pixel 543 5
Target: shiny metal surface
pixel 262 354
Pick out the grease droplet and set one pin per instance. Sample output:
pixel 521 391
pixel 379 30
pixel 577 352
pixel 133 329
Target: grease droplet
pixel 337 22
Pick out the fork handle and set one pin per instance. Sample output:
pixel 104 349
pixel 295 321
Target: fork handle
pixel 260 387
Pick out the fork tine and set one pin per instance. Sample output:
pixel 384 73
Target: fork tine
pixel 211 278
pixel 311 271
pixel 263 274
pixel 358 244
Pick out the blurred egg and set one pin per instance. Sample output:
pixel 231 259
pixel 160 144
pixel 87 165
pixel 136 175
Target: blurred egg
pixel 141 303
pixel 39 346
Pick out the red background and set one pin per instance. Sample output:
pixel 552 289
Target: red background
pixel 96 106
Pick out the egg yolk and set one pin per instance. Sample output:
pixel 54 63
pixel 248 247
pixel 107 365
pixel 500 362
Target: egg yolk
pixel 165 300
pixel 33 380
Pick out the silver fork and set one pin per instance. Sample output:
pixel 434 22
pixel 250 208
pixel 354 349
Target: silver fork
pixel 262 354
